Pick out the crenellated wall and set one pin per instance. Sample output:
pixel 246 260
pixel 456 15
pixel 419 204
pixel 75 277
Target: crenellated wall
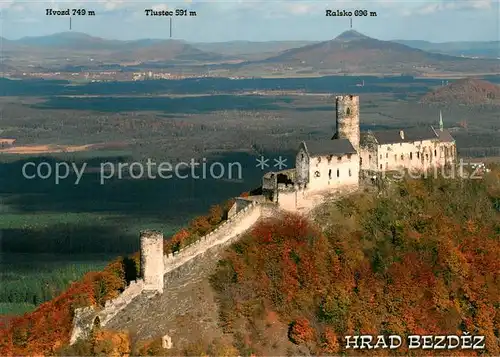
pixel 86 318
pixel 223 234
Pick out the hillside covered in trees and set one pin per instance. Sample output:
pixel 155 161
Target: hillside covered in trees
pixel 419 257
pixel 467 91
pixel 422 258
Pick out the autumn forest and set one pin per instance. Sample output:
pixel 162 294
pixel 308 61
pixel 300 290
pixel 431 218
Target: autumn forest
pixel 418 256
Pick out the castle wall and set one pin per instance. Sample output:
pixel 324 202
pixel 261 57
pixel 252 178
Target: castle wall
pixel 221 236
pixel 224 234
pixel 332 172
pixel 419 156
pixel 302 165
pixel 239 204
pixel 369 159
pixel 84 318
pixel 347 119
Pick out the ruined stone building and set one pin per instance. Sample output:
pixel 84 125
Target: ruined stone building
pixel 332 165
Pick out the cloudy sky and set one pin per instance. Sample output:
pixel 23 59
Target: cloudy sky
pixel 227 20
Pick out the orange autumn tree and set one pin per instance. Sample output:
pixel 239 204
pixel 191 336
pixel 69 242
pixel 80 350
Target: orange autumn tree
pixel 301 331
pixel 421 258
pixel 48 328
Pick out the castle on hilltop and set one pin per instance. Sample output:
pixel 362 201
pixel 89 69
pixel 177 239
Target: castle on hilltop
pixel 329 166
pixel 336 164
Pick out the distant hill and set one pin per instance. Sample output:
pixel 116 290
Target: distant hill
pixel 249 49
pixel 349 53
pixel 352 51
pixel 465 91
pixel 487 49
pixel 75 43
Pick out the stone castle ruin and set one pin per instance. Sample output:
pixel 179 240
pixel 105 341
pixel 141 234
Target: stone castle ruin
pixel 326 167
pixel 336 165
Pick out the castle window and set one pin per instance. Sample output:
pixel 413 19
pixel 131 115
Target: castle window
pixel 386 156
pixel 411 156
pixel 316 174
pixel 338 173
pixel 380 156
pixel 330 174
pixel 435 152
pixel 369 157
pixel 350 172
pixel 339 158
pixel 302 156
pixel 349 156
pixel 380 166
pixel 427 156
pixel 418 155
pixel 348 111
pixel 402 157
pixel 319 160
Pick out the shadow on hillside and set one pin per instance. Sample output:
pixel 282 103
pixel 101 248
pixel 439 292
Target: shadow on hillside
pixel 69 239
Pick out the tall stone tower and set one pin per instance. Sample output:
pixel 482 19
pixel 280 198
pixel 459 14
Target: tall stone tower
pixel 152 268
pixel 347 119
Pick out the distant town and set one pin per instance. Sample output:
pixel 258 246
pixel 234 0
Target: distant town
pixel 111 76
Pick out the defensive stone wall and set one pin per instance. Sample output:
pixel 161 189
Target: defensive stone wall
pixel 86 318
pixel 223 234
pixel 239 204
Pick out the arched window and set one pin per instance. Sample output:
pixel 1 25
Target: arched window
pixel 350 174
pixel 348 111
pixel 338 173
pixel 411 156
pixel 330 174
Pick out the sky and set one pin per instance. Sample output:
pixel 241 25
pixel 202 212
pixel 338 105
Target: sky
pixel 271 20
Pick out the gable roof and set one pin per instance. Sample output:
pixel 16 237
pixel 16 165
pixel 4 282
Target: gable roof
pixel 444 136
pixel 411 135
pixel 329 147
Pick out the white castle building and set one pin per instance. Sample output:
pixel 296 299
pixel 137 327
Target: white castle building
pixel 336 164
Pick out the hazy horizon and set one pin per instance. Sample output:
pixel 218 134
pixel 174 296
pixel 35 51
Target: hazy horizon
pixel 179 39
pixel 258 21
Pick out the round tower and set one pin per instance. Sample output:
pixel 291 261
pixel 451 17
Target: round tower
pixel 152 267
pixel 347 118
